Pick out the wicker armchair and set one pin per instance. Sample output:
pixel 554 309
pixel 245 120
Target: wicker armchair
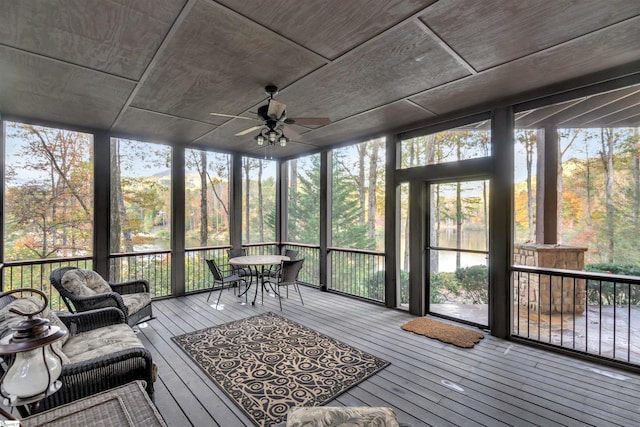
pixel 101 352
pixel 132 298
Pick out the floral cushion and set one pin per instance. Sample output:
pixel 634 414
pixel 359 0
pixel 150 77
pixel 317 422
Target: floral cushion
pixel 9 320
pixel 84 282
pixel 135 302
pixel 325 416
pixel 98 342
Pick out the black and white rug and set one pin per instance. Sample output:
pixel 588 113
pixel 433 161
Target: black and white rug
pixel 267 364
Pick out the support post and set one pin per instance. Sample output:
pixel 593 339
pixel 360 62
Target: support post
pixel 325 220
pixel 417 252
pixel 235 196
pixel 547 187
pixel 501 223
pixel 282 203
pixel 101 203
pixel 391 222
pixel 177 221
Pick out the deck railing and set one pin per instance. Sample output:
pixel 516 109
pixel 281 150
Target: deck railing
pixel 358 272
pixel 270 248
pixel 310 273
pixel 197 275
pixel 596 314
pixel 35 274
pixel 353 272
pixel 154 266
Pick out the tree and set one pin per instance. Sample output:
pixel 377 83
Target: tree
pixel 140 205
pixel 304 205
pixel 608 140
pixel 572 135
pixel 48 203
pixel 347 228
pixel 374 147
pixel 528 139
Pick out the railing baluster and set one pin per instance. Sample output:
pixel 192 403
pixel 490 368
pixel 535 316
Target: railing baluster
pixel 615 326
pixel 629 325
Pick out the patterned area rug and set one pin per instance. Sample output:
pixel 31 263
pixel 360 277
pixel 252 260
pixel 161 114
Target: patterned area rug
pixel 267 364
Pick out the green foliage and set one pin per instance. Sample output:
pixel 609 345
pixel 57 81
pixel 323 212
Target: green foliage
pixel 441 286
pixel 348 230
pixel 304 204
pixel 404 287
pixel 474 283
pixel 468 285
pixel 610 293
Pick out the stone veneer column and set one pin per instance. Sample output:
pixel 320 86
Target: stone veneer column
pixel 551 294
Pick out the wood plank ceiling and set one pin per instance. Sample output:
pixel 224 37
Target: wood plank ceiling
pixel 155 69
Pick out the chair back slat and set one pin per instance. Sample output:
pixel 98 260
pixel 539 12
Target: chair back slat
pixel 291 253
pixel 290 269
pixel 215 270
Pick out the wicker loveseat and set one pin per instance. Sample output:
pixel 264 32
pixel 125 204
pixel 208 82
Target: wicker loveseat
pixel 99 352
pixel 84 290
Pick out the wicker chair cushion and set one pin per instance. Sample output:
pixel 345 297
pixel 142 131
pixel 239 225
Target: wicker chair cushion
pixel 325 416
pixel 9 320
pixel 135 302
pixel 84 282
pixel 98 342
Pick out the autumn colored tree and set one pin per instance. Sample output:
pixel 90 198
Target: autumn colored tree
pixel 49 193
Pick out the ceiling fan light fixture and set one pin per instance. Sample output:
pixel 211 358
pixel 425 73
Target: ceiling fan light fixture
pixel 274 121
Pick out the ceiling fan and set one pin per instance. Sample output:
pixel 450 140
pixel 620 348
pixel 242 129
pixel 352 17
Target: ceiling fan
pixel 273 121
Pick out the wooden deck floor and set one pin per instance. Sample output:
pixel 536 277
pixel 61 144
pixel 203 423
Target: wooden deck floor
pixel 428 383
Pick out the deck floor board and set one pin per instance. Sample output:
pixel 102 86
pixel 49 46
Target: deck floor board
pixel 502 382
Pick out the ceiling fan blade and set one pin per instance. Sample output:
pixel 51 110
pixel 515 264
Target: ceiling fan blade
pixel 290 133
pixel 246 131
pixel 308 121
pixel 276 109
pixel 231 116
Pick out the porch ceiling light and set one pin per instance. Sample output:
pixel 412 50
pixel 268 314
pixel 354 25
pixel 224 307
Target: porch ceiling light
pixel 271 134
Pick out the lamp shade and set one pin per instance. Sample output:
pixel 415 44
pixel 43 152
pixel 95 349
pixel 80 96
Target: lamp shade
pixel 36 367
pixel 32 373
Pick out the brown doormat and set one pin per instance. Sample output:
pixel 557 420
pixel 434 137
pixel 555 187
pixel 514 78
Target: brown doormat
pixel 456 335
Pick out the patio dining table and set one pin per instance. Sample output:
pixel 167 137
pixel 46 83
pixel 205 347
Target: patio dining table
pixel 257 262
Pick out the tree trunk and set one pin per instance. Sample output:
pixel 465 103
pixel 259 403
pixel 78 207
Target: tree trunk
pixel 559 207
pixel 247 227
pixel 373 182
pixel 529 144
pixel 260 203
pixel 588 184
pixel 485 213
pixel 606 155
pixel 636 183
pixel 458 211
pixel 204 214
pixel 292 223
pixel 458 223
pixel 434 205
pixel 407 240
pixel 560 186
pixel 435 231
pixel 362 151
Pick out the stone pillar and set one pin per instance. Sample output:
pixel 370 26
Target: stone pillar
pixel 551 294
